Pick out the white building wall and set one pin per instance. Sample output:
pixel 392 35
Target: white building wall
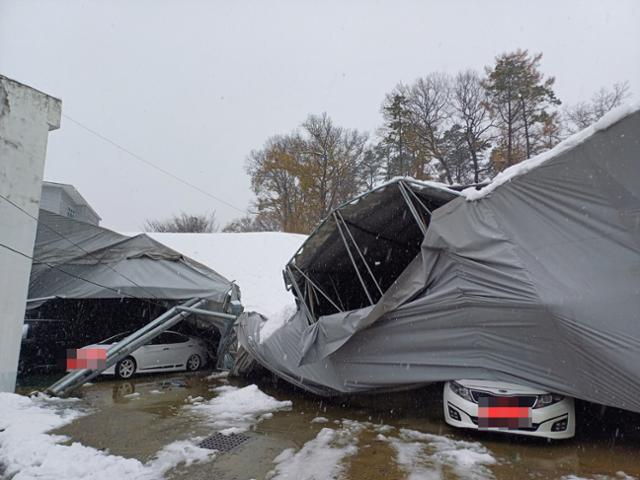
pixel 26 117
pixel 50 199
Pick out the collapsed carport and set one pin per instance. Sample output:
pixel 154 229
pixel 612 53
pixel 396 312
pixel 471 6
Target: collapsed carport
pixel 533 280
pixel 93 283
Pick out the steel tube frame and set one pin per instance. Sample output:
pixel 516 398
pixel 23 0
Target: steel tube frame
pixel 419 200
pixel 353 261
pixel 412 208
pixel 318 288
pixel 307 312
pixel 353 240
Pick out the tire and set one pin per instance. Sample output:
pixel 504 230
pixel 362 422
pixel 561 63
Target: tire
pixel 126 368
pixel 194 363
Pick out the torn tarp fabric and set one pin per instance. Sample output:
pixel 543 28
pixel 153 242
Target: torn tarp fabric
pixel 534 280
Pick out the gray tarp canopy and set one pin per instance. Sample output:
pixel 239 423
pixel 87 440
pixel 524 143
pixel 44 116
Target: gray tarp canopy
pixel 535 280
pixel 77 260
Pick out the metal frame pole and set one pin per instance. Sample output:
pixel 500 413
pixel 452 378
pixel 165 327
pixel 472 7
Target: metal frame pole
pixel 317 288
pixel 353 261
pixel 353 240
pixel 307 313
pixel 412 208
pixel 419 200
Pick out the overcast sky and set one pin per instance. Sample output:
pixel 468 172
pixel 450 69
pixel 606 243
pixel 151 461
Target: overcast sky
pixel 194 86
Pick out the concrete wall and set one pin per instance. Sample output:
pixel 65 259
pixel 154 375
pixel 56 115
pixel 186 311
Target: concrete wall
pixel 26 116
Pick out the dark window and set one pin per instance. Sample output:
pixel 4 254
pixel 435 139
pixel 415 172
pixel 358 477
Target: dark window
pixel 169 338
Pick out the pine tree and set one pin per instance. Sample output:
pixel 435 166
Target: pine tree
pixel 519 102
pixel 396 134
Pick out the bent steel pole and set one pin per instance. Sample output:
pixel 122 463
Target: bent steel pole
pixel 307 313
pixel 412 208
pixel 318 288
pixel 353 240
pixel 353 261
pixel 123 348
pixel 419 200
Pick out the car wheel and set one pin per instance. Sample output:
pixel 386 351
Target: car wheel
pixel 194 363
pixel 126 367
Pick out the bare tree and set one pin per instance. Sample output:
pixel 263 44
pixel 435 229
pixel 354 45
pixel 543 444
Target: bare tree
pixel 274 174
pixel 298 178
pixel 332 159
pixel 471 113
pixel 251 223
pixel 430 110
pixel 583 114
pixel 184 223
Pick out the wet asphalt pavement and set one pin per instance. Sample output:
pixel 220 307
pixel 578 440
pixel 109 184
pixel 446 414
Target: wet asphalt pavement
pixel 136 418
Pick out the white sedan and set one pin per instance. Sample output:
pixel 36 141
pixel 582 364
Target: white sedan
pixel 168 352
pixel 507 407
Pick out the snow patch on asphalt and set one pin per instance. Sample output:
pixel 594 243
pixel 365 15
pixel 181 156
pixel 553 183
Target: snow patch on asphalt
pixel 28 451
pixel 236 410
pixel 424 455
pixel 217 375
pixel 320 458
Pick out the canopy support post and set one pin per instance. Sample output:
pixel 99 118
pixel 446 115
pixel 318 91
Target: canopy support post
pixel 310 318
pixel 353 240
pixel 419 200
pixel 353 261
pixel 308 279
pixel 412 208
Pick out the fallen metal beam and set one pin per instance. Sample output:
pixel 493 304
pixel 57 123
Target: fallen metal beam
pixel 208 313
pixel 120 350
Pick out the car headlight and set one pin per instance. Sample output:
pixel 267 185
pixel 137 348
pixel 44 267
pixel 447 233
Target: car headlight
pixel 547 399
pixel 461 391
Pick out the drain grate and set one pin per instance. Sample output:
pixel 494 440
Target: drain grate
pixel 223 443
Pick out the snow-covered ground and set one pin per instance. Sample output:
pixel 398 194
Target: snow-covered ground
pixel 424 455
pixel 27 451
pixel 419 455
pixel 235 410
pixel 254 260
pixel 319 458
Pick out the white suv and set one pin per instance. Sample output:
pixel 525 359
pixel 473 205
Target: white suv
pixel 507 407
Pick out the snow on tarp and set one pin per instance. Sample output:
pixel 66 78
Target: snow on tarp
pixel 77 260
pixel 523 167
pixel 536 284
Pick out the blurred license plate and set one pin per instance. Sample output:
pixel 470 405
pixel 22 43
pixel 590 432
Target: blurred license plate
pixel 503 412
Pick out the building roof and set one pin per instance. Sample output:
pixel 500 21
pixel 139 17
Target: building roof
pixel 73 193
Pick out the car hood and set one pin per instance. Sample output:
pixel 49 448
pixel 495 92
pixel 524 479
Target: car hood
pixel 500 388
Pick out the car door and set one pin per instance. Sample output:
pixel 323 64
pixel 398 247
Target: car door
pixel 155 355
pixel 178 352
